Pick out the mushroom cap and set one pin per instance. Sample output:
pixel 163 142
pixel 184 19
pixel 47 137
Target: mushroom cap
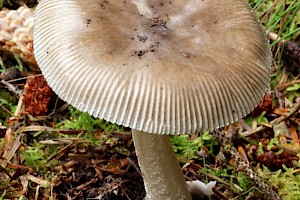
pixel 165 67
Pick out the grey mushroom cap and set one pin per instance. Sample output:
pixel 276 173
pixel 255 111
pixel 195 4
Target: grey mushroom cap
pixel 164 67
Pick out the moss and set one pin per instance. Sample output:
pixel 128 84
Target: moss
pixel 9 102
pixel 36 156
pixel 187 149
pixel 243 181
pixel 286 182
pixel 83 121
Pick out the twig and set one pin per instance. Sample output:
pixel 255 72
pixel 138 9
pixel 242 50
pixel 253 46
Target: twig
pixel 2 64
pixel 237 187
pixel 134 166
pixel 23 78
pixel 294 109
pixel 287 149
pixel 12 88
pixel 285 85
pixel 19 107
pixel 62 151
pixel 36 197
pixel 37 128
pixel 7 155
pixel 41 182
pixel 273 36
pixel 3 127
pixel 7 110
pixel 261 185
pixel 85 185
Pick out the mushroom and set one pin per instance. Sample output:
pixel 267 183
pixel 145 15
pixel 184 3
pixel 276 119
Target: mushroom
pixel 159 67
pixel 16 33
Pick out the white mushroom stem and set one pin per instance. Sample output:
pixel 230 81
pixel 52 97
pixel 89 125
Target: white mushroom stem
pixel 161 172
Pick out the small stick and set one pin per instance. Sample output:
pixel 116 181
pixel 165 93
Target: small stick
pixel 285 85
pixel 12 88
pixel 134 166
pixel 294 109
pixel 273 36
pixel 7 155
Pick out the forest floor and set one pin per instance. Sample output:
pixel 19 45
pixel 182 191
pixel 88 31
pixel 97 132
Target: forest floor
pixel 49 150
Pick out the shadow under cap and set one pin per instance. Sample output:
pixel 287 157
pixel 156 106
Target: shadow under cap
pixel 165 67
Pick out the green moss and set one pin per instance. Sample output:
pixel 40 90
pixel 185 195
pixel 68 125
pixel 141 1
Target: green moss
pixel 293 92
pixel 286 182
pixel 83 121
pixel 243 181
pixel 274 140
pixel 36 157
pixel 184 147
pixel 187 149
pixel 9 102
pixel 261 119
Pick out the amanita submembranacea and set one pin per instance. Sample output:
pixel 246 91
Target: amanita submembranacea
pixel 159 67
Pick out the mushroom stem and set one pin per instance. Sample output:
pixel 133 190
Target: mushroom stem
pixel 163 177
